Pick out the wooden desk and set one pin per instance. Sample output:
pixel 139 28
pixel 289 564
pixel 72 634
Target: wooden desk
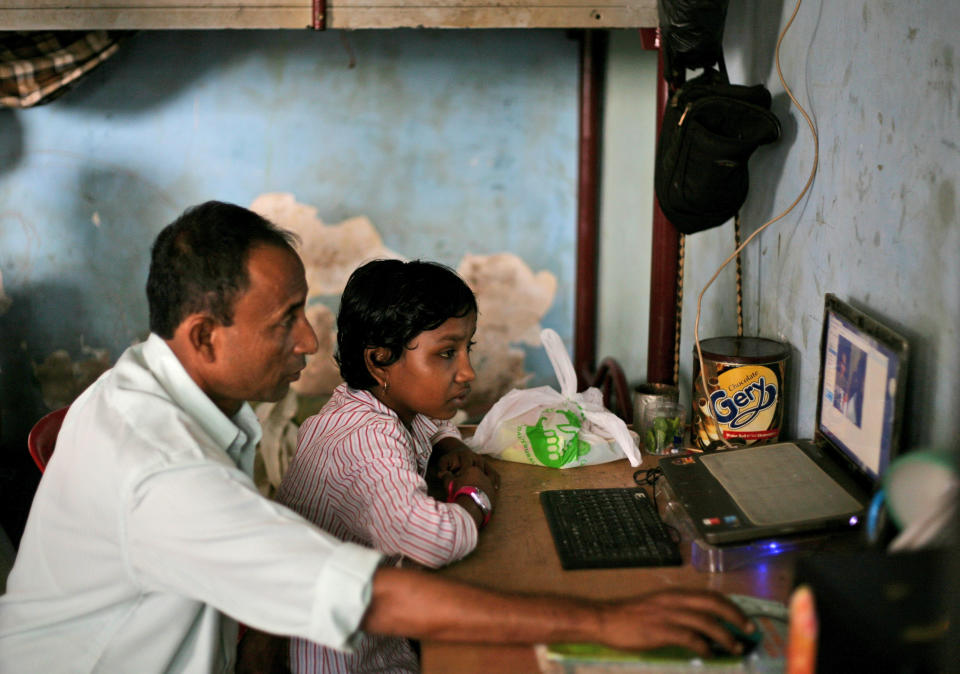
pixel 516 553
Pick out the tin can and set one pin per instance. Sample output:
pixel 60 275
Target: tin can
pixel 644 394
pixel 743 402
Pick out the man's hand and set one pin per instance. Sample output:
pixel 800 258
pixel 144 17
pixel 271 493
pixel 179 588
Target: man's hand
pixel 687 618
pixel 430 607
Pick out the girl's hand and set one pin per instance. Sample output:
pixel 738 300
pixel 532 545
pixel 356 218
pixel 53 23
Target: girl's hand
pixel 456 457
pixel 476 478
pixel 473 476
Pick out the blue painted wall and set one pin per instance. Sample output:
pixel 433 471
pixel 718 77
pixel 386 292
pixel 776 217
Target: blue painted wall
pixel 879 226
pixel 451 142
pixel 456 141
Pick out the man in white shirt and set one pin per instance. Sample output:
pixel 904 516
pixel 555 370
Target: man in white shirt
pixel 147 539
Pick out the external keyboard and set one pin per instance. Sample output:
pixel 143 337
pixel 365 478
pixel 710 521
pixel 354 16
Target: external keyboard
pixel 607 528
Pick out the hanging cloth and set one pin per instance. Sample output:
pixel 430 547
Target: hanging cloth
pixel 38 67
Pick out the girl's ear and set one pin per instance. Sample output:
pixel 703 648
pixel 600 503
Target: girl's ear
pixel 373 356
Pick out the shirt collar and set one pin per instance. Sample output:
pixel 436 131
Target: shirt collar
pixel 181 388
pixel 368 398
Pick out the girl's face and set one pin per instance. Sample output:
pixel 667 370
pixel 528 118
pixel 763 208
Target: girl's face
pixel 434 373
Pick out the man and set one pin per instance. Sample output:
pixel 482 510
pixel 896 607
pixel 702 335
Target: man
pixel 147 540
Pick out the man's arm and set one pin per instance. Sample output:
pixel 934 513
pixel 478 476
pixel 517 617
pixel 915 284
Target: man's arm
pixel 203 532
pixel 427 606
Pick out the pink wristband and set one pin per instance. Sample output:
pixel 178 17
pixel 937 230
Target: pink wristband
pixel 475 493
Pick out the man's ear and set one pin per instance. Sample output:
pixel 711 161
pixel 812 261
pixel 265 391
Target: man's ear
pixel 199 330
pixel 373 357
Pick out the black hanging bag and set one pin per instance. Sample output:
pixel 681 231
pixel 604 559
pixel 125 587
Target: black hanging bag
pixel 710 129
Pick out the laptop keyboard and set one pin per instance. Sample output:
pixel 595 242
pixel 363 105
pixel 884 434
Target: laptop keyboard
pixel 779 484
pixel 607 528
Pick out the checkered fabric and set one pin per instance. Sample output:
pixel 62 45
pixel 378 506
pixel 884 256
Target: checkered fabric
pixel 37 67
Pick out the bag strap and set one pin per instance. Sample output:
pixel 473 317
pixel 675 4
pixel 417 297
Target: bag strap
pixel 722 67
pixel 681 253
pixel 739 274
pixel 560 360
pixel 678 319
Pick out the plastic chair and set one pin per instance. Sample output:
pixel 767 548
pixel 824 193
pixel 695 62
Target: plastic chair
pixel 43 437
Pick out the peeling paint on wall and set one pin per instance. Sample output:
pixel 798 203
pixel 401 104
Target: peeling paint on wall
pixel 321 375
pixel 438 137
pixel 62 380
pixel 512 299
pixel 278 443
pixel 330 252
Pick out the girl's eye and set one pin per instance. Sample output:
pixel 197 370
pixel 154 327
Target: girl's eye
pixel 449 353
pixel 470 346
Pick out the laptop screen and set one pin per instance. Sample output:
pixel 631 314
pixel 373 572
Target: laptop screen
pixel 862 382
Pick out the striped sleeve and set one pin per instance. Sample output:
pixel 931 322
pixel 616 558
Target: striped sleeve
pixel 388 496
pixel 356 474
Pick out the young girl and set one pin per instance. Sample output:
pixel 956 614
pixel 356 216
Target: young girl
pixel 404 332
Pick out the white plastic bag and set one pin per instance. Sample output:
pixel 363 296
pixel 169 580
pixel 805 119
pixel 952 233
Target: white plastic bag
pixel 561 430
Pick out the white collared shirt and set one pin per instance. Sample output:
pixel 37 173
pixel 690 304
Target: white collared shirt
pixel 147 532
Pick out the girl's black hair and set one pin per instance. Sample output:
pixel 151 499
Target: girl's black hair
pixel 387 303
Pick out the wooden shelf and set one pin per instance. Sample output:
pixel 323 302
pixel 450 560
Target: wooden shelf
pixel 345 14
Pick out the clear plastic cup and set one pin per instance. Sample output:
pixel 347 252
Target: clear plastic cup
pixel 663 426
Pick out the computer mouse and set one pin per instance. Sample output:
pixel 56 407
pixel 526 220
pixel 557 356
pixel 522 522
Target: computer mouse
pixel 749 641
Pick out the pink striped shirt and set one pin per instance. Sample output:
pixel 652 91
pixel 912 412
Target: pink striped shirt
pixel 359 474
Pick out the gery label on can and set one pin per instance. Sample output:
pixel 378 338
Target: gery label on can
pixel 743 402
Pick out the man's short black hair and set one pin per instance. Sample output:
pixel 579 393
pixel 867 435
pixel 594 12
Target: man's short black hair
pixel 387 303
pixel 199 263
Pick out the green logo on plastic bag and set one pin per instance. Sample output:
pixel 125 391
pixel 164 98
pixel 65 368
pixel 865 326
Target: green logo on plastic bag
pixel 555 439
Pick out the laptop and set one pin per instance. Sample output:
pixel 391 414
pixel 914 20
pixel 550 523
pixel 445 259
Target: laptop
pixel 771 490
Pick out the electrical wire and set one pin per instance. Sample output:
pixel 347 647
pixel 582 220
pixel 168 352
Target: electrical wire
pixel 806 187
pixel 650 477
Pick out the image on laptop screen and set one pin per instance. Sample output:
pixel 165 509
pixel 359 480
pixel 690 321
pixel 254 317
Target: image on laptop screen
pixel 859 389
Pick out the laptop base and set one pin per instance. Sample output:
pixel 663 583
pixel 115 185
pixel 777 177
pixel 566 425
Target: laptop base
pixel 719 558
pixel 711 558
